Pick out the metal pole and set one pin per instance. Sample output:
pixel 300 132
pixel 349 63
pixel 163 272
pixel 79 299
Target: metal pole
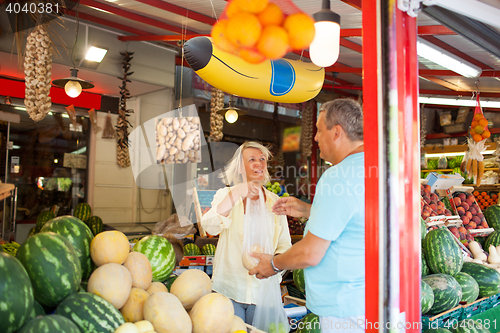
pixel 6 175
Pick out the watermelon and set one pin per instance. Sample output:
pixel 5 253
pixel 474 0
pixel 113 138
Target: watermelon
pixel 191 250
pixel 423 228
pixel 426 297
pixel 447 292
pixel 52 265
pixel 298 279
pixel 160 254
pixel 95 224
pixel 42 218
pixel 487 278
pixel 442 253
pixel 82 211
pixel 424 268
pixel 493 239
pixel 309 324
pixel 168 282
pixel 470 288
pixel 78 234
pixel 492 216
pixel 480 240
pixel 470 326
pixel 32 232
pixel 38 310
pixel 16 294
pixel 50 324
pixel 208 250
pixel 437 330
pixel 91 313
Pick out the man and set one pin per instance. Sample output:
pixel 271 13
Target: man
pixel 333 248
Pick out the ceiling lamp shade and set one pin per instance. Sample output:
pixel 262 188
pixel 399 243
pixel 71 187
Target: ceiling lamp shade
pixel 325 47
pixel 231 113
pixel 73 85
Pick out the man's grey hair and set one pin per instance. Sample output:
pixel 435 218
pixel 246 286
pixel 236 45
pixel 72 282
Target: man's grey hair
pixel 348 114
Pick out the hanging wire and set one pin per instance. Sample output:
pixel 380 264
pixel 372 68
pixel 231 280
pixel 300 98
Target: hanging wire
pixel 213 11
pixel 76 33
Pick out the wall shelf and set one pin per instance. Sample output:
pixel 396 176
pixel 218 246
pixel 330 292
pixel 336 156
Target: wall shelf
pixel 454 148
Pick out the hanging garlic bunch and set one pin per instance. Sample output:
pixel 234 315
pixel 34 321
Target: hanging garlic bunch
pixel 216 103
pixel 38 73
pixel 306 136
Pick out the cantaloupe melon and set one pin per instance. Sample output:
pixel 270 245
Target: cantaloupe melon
pixel 132 310
pixel 167 314
pixel 127 328
pixel 109 247
pixel 140 268
pixel 238 324
pixel 112 282
pixel 144 326
pixel 156 287
pixel 212 313
pixel 250 262
pixel 190 286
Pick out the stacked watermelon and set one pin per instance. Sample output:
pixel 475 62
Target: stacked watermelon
pixel 160 254
pixel 426 297
pixel 298 279
pixel 493 239
pixel 309 324
pixel 95 224
pixel 82 211
pixel 191 249
pixel 487 278
pixel 78 234
pixel 446 290
pixel 50 324
pixel 208 250
pixel 43 218
pixel 492 215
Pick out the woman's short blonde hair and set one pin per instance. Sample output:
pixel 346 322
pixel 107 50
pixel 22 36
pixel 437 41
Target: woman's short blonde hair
pixel 234 172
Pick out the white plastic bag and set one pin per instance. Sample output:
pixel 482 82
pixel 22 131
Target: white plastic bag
pixel 258 232
pixel 270 315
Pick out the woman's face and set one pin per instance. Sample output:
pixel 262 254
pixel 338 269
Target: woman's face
pixel 255 164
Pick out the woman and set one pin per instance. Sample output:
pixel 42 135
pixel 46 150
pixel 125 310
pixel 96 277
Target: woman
pixel 247 171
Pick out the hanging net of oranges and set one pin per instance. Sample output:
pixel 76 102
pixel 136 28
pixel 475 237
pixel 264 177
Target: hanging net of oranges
pixel 477 144
pixel 257 30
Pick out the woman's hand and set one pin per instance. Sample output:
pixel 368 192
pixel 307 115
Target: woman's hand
pixel 291 206
pixel 249 190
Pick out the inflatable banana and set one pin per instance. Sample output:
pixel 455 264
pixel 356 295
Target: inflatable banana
pixel 283 80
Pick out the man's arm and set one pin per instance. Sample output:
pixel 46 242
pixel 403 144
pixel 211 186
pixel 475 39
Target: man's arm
pixel 307 252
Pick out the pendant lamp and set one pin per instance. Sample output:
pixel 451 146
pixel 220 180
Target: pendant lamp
pixel 325 47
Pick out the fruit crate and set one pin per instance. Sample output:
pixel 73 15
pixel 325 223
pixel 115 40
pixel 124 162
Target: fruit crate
pixel 444 319
pixel 294 292
pixel 493 301
pixel 474 308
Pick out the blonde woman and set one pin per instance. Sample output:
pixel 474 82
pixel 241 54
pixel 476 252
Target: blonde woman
pixel 247 172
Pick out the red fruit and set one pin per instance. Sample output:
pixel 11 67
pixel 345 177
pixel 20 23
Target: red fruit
pixel 425 214
pixel 433 207
pixel 427 188
pixel 484 224
pixel 480 215
pixel 447 212
pixel 471 198
pixel 469 236
pixel 465 205
pixel 440 203
pixel 475 206
pixel 427 208
pixel 472 211
pixel 476 219
pixel 462 234
pixel 440 211
pixel 473 225
pixel 462 196
pixel 469 215
pixel 465 220
pixel 460 210
pixel 480 227
pixel 433 214
pixel 434 202
pixel 467 201
pixel 469 226
pixel 457 201
pixel 434 196
pixel 426 199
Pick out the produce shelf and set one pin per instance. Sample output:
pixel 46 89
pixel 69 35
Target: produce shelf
pixel 5 190
pixel 449 170
pixel 444 319
pixel 454 148
pixel 475 308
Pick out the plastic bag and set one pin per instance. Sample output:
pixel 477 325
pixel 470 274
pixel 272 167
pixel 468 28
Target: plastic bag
pixel 442 162
pixel 270 315
pixel 109 131
pixel 72 114
pixel 257 232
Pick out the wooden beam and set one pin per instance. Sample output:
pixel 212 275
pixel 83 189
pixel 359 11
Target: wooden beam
pixel 179 11
pixel 159 37
pixel 442 82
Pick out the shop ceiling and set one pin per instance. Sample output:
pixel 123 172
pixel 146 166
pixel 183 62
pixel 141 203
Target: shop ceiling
pixel 150 19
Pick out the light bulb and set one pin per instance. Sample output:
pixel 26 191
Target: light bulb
pixel 231 116
pixel 324 49
pixel 73 89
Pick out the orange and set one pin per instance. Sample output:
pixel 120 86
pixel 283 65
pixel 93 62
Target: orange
pixel 484 194
pixel 472 132
pixel 486 134
pixel 232 8
pixel 476 193
pixel 478 116
pixel 252 6
pixel 243 29
pixel 273 42
pixel 220 39
pixel 483 122
pixel 251 56
pixel 479 129
pixel 272 15
pixel 300 29
pixel 474 123
pixel 477 137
